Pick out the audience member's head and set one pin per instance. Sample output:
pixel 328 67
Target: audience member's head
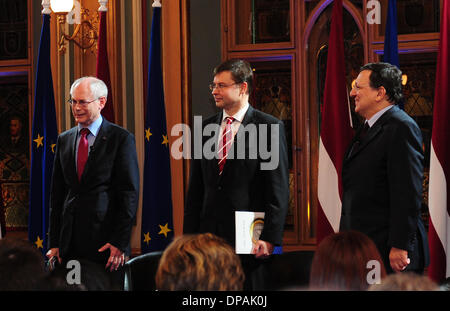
pixel 405 281
pixel 199 262
pixel 445 285
pixel 92 277
pixel 21 265
pixel 344 261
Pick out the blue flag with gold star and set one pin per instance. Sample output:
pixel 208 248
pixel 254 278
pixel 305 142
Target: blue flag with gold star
pixel 157 222
pixel 44 135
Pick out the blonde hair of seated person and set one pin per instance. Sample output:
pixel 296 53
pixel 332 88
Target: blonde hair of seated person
pixel 199 262
pixel 405 281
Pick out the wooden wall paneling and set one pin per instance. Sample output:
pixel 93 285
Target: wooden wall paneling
pixel 173 84
pixel 138 74
pixel 301 130
pixel 233 17
pixel 225 26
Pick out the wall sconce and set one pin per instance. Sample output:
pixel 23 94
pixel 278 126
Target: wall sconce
pixel 85 33
pixel 404 79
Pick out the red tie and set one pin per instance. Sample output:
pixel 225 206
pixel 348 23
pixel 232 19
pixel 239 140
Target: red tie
pixel 226 139
pixel 82 151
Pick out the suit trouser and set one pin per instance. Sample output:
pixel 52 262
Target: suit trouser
pixel 256 272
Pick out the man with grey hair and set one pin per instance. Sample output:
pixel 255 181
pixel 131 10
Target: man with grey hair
pixel 95 184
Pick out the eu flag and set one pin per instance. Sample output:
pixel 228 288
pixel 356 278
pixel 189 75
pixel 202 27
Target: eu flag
pixel 390 38
pixel 44 135
pixel 157 223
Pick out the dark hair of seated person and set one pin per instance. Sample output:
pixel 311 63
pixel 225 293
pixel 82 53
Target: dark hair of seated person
pixel 341 262
pixel 21 265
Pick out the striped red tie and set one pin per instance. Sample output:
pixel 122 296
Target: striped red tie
pixel 227 140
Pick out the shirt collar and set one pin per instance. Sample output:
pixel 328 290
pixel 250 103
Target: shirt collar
pixel 377 115
pixel 238 116
pixel 94 127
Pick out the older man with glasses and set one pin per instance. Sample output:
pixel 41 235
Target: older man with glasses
pixel 95 185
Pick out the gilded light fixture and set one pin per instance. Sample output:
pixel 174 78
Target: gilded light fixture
pixel 85 29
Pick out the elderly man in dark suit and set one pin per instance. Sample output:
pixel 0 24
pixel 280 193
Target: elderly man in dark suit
pixel 95 183
pixel 221 185
pixel 382 172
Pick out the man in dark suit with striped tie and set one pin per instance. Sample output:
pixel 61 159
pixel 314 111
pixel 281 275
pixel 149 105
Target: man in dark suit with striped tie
pixel 95 183
pixel 233 181
pixel 383 170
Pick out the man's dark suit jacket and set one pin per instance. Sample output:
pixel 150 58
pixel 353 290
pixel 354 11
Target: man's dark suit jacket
pixel 212 199
pixel 99 209
pixel 382 187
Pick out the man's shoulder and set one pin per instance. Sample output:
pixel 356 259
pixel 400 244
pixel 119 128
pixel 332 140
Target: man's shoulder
pixel 400 124
pixel 114 128
pixel 68 132
pixel 255 116
pixel 262 117
pixel 400 118
pixel 212 119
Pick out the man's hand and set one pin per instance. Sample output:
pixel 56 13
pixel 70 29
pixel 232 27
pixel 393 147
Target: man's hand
pixel 262 249
pixel 53 252
pixel 398 259
pixel 116 257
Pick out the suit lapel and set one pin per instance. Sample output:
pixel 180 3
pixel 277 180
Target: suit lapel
pixel 248 118
pixel 72 146
pixel 371 134
pixel 99 144
pixel 213 165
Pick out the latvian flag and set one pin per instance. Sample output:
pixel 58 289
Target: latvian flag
pixel 336 132
pixel 439 187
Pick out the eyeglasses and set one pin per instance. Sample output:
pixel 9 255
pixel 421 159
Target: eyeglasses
pixel 220 86
pixel 83 103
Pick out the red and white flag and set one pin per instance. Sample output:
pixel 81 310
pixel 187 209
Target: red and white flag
pixel 439 183
pixel 103 66
pixel 336 132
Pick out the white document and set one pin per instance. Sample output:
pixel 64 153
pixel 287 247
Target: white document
pixel 249 226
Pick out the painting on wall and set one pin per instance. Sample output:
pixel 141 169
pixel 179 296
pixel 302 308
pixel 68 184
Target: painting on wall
pixel 14 151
